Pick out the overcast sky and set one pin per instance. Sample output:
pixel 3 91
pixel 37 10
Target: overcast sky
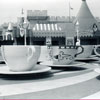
pixel 11 9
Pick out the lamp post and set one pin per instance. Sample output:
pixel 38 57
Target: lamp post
pixel 77 33
pixel 25 26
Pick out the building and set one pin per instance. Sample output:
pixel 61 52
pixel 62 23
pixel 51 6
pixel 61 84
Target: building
pixel 42 29
pixel 45 30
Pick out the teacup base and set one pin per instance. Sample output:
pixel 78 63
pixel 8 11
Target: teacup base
pixel 63 62
pixel 21 70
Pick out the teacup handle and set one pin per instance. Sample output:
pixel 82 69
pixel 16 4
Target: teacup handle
pixel 82 50
pixel 95 48
pixel 31 51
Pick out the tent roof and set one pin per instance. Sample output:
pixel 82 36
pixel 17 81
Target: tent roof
pixel 85 18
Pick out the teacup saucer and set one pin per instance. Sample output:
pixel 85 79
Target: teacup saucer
pixel 50 63
pixel 38 69
pixel 94 58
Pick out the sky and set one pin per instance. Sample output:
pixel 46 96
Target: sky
pixel 11 9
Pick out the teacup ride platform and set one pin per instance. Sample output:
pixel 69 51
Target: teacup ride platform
pixel 61 84
pixel 54 84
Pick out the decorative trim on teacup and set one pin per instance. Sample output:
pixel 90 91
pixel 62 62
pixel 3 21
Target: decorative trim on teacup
pixel 62 55
pixel 67 47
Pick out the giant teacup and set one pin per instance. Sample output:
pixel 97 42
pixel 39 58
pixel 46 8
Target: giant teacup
pixel 64 55
pixel 88 49
pixel 20 58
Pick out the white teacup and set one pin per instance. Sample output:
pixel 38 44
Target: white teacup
pixel 88 49
pixel 64 55
pixel 20 58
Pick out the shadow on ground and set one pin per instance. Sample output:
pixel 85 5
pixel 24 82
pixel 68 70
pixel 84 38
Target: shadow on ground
pixel 69 68
pixel 27 76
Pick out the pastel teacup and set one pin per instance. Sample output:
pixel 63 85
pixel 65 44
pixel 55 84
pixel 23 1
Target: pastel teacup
pixel 88 49
pixel 64 55
pixel 20 58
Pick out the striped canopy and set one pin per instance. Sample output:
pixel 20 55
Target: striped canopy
pixel 49 29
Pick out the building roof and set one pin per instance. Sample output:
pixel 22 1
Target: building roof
pixel 37 15
pixel 86 20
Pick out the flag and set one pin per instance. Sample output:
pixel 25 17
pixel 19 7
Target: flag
pixel 71 8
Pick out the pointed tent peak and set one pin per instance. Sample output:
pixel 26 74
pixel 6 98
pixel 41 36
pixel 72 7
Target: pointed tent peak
pixel 85 18
pixel 84 11
pixel 10 26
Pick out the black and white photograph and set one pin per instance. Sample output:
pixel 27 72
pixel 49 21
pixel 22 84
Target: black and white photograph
pixel 49 49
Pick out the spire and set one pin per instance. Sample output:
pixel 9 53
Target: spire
pixel 85 18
